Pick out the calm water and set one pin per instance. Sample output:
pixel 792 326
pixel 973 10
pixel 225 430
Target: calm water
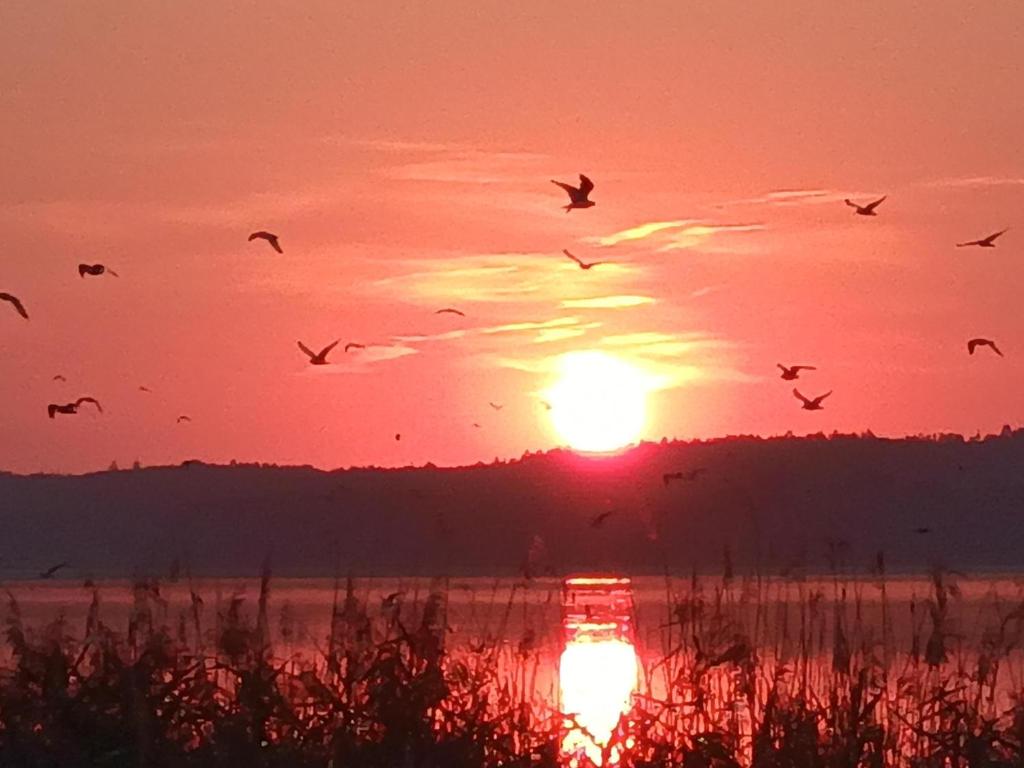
pixel 503 610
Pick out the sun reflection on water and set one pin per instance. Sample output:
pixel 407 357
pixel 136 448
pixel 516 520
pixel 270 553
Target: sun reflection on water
pixel 598 669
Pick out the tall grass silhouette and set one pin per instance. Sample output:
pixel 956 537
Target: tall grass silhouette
pixel 752 670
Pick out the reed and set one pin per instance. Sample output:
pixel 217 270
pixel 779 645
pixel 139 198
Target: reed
pixel 753 671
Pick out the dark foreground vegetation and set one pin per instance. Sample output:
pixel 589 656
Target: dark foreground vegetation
pixel 753 672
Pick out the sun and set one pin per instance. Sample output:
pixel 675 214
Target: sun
pixel 599 402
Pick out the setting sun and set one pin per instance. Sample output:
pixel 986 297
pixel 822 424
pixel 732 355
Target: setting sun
pixel 599 402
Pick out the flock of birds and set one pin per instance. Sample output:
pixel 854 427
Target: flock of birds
pixel 579 198
pixel 792 372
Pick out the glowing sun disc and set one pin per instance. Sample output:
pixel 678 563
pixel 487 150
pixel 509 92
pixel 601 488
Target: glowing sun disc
pixel 599 402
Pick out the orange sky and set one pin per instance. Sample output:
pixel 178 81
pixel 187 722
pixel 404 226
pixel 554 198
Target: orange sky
pixel 402 152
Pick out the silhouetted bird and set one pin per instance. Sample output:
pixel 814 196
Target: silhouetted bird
pixel 578 196
pixel 49 572
pixel 582 264
pixel 866 210
pixel 354 345
pixel 495 406
pixel 546 404
pixel 94 270
pixel 985 242
pixel 922 530
pixel 975 343
pixel 145 389
pixel 793 372
pixel 598 520
pixel 15 302
pixel 450 311
pixel 59 377
pixel 476 425
pixel 93 400
pixel 270 237
pixel 811 405
pixel 53 409
pixel 183 418
pixel 398 435
pixel 318 358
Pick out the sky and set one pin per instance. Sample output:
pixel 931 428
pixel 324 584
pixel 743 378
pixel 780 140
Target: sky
pixel 403 153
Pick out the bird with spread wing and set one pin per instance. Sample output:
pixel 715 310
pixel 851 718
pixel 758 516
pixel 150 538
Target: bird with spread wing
pixel 866 210
pixel 579 197
pixel 318 358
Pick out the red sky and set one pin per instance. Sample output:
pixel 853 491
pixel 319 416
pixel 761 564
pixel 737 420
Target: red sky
pixel 403 154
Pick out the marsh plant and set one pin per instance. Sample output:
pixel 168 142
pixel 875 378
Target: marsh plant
pixel 752 671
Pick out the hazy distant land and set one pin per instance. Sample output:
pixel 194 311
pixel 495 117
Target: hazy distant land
pixel 780 504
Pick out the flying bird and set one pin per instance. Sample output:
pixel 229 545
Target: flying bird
pixel 811 405
pixel 270 237
pixel 145 389
pixel 59 377
pixel 318 358
pixel 398 435
pixel 354 345
pixel 866 210
pixel 975 343
pixel 985 242
pixel 183 418
pixel 495 406
pixel 578 196
pixel 582 264
pixel 95 270
pixel 476 425
pixel 598 520
pixel 793 372
pixel 922 531
pixel 16 303
pixel 49 572
pixel 53 409
pixel 450 311
pixel 93 400
pixel 546 404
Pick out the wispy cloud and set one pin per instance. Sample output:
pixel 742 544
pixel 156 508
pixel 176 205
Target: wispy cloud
pixel 530 326
pixel 978 181
pixel 707 290
pixel 558 334
pixel 472 166
pixel 671 235
pixel 495 278
pixel 661 344
pixel 607 302
pixel 417 338
pixel 633 339
pixel 483 279
pixel 272 206
pixel 396 145
pixel 791 197
pixel 542 331
pixel 639 232
pixel 668 360
pixel 698 234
